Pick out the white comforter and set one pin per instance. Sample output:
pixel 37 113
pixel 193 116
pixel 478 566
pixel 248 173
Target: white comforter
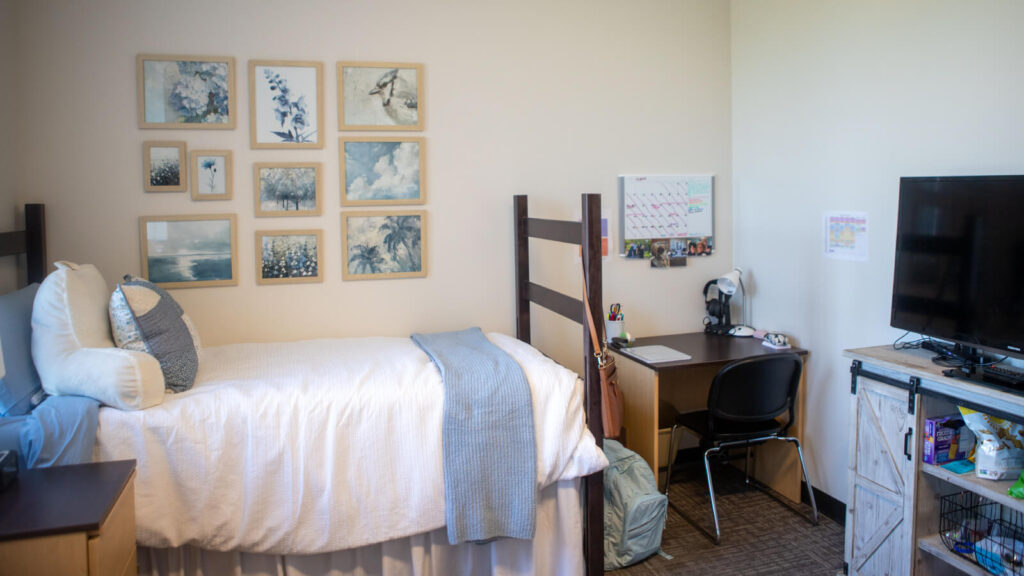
pixel 308 447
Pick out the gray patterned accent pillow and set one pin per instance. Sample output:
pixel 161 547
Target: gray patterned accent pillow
pixel 145 318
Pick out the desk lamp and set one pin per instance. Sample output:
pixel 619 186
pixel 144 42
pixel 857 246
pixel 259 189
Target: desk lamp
pixel 727 284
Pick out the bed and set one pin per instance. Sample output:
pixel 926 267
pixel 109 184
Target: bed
pixel 220 490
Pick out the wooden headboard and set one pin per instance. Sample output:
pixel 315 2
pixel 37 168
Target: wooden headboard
pixel 587 235
pixel 31 242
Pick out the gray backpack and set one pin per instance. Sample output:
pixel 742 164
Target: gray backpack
pixel 634 510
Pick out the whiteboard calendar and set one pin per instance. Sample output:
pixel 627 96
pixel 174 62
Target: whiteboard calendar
pixel 665 207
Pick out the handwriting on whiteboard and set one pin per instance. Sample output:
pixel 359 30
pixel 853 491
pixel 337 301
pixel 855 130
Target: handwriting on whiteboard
pixel 666 206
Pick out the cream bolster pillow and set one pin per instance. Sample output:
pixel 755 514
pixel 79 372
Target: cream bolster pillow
pixel 72 347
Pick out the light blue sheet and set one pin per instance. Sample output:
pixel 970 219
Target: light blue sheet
pixel 60 431
pixel 488 441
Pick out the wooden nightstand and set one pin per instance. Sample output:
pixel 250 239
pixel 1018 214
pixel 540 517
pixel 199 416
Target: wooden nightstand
pixel 70 520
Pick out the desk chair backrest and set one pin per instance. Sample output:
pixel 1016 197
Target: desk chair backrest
pixel 755 390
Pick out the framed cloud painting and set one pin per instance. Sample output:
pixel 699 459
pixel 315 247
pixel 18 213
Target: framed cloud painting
pixel 289 256
pixel 287 188
pixel 386 244
pixel 212 175
pixel 165 167
pixel 286 104
pixel 380 96
pixel 189 251
pixel 381 171
pixel 192 92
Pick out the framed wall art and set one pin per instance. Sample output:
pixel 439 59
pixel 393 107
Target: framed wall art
pixel 289 256
pixel 189 251
pixel 287 188
pixel 381 171
pixel 192 92
pixel 384 244
pixel 380 96
pixel 212 175
pixel 165 166
pixel 286 104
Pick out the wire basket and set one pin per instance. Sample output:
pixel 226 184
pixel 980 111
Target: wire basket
pixel 984 532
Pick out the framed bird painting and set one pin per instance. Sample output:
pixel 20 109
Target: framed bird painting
pixel 380 96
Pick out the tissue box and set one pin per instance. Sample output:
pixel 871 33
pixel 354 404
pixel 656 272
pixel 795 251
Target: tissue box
pixel 946 439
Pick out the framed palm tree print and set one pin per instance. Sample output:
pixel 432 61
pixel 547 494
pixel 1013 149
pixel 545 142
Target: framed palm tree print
pixel 385 244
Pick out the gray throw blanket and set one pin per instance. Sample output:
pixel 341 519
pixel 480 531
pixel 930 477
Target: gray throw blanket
pixel 488 441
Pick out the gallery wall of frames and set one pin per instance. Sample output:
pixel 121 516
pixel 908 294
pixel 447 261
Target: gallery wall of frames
pixel 381 175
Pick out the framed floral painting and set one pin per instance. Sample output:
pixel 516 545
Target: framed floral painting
pixel 287 188
pixel 191 92
pixel 380 96
pixel 383 244
pixel 212 175
pixel 381 171
pixel 165 168
pixel 189 251
pixel 289 256
pixel 286 107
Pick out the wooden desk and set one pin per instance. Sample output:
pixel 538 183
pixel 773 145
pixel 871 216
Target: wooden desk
pixel 685 385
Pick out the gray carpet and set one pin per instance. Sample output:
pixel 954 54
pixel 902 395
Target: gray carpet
pixel 761 535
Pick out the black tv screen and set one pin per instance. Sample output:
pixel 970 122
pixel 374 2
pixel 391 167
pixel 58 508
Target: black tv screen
pixel 959 272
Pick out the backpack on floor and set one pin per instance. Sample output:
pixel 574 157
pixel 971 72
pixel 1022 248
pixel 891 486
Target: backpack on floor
pixel 634 510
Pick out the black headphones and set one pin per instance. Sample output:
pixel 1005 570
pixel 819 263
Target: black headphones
pixel 716 310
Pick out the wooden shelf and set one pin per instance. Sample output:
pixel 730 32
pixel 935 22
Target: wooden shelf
pixel 994 490
pixel 934 546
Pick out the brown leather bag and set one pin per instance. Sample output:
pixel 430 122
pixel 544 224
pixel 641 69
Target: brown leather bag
pixel 611 394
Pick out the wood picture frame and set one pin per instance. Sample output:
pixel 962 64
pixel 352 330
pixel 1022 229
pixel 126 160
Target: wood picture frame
pixel 285 256
pixel 403 159
pixel 186 92
pixel 189 251
pixel 212 174
pixel 383 244
pixel 164 166
pixel 380 96
pixel 287 188
pixel 286 104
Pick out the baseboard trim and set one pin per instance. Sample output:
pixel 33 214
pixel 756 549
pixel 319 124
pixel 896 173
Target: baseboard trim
pixel 828 506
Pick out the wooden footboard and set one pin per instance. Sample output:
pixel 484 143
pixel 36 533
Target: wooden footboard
pixel 587 235
pixel 31 242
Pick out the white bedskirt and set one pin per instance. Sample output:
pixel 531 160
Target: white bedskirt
pixel 556 550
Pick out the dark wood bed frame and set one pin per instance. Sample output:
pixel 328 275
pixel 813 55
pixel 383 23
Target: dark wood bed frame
pixel 587 235
pixel 31 242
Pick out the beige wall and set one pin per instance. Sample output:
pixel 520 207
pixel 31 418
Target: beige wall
pixel 8 206
pixel 552 99
pixel 833 102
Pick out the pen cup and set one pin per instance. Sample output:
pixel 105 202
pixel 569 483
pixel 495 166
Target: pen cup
pixel 614 329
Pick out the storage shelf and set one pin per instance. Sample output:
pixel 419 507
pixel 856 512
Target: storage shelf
pixel 934 546
pixel 994 490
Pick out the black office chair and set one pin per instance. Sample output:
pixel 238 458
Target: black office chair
pixel 744 404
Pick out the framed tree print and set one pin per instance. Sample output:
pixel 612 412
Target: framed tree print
pixel 382 171
pixel 286 104
pixel 287 188
pixel 189 251
pixel 191 92
pixel 380 96
pixel 165 167
pixel 384 244
pixel 212 175
pixel 289 256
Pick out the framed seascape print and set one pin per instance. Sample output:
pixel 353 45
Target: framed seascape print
pixel 384 244
pixel 189 251
pixel 289 256
pixel 286 107
pixel 192 92
pixel 212 175
pixel 378 171
pixel 380 96
pixel 165 166
pixel 287 188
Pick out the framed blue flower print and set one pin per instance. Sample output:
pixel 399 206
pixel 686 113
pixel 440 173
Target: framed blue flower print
pixel 286 107
pixel 189 92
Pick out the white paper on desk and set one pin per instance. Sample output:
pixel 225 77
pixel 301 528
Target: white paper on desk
pixel 656 353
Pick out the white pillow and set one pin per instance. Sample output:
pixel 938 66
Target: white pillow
pixel 72 348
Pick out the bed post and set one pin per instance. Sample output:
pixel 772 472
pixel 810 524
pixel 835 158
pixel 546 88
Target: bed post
pixel 522 269
pixel 590 245
pixel 35 242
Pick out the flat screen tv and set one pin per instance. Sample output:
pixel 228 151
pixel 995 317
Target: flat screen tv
pixel 959 272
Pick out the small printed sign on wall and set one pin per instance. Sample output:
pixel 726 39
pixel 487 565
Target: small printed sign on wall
pixel 846 235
